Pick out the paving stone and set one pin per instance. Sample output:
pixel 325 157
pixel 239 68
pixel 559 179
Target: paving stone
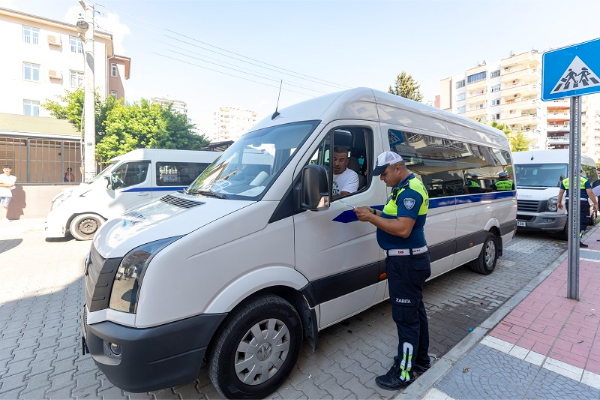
pixel 112 393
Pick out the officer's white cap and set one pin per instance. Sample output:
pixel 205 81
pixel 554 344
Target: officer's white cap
pixel 384 160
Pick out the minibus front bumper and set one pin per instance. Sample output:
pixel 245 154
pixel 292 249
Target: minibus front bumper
pixel 545 221
pixel 141 360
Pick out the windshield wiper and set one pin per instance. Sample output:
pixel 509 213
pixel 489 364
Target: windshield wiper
pixel 207 193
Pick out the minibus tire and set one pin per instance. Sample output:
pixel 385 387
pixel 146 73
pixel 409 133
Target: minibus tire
pixel 486 262
pixel 85 226
pixel 261 313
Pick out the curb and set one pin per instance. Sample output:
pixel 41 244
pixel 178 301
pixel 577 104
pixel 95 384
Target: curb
pixel 421 386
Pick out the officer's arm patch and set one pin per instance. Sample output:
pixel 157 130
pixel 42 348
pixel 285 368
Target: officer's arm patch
pixel 409 203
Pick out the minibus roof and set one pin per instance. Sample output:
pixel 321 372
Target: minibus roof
pixel 557 156
pixel 374 105
pixel 168 155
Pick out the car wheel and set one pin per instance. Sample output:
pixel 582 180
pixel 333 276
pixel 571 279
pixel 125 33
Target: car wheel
pixel 486 262
pixel 85 226
pixel 256 350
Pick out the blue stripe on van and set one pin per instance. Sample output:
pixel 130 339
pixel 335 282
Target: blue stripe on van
pixel 155 189
pixel 350 216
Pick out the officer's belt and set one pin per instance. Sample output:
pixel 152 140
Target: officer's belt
pixel 406 252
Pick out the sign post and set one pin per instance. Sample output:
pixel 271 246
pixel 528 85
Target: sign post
pixel 571 72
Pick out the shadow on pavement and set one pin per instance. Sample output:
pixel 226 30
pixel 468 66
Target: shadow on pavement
pixel 7 244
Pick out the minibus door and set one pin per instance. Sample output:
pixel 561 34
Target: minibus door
pixel 128 186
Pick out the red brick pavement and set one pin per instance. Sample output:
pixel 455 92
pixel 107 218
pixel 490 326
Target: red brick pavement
pixel 554 326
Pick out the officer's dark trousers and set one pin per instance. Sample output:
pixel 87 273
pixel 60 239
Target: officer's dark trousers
pixel 584 213
pixel 406 276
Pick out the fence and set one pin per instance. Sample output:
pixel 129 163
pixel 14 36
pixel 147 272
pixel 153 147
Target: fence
pixel 41 160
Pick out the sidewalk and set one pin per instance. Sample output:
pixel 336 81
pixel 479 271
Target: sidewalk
pixel 538 345
pixel 21 226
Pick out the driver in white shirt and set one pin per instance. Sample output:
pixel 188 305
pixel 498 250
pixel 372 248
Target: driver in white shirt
pixel 345 181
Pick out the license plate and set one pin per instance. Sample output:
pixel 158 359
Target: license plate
pixel 521 223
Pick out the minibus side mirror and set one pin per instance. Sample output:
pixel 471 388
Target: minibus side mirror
pixel 315 188
pixel 108 183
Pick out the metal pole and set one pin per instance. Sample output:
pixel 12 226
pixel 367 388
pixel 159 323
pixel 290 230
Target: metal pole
pixel 574 198
pixel 90 115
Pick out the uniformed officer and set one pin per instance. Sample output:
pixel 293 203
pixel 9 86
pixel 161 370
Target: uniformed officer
pixel 503 184
pixel 400 233
pixel 584 206
pixel 472 186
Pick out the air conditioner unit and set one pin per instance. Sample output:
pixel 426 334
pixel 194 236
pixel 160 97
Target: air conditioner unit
pixel 53 40
pixel 54 74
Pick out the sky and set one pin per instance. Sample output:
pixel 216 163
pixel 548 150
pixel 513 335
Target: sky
pixel 189 50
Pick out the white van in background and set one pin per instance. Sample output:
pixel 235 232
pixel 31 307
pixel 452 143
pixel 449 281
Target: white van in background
pixel 255 255
pixel 129 180
pixel 538 176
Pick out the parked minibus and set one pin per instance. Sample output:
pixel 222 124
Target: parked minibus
pixel 237 271
pixel 538 177
pixel 129 180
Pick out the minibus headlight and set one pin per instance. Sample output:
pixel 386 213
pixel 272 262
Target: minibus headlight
pixel 552 204
pixel 61 198
pixel 128 280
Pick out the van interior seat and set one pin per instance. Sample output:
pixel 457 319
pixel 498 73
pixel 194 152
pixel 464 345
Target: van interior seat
pixel 354 166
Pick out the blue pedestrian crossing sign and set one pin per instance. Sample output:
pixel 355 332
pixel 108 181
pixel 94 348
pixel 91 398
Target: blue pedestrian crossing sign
pixel 571 71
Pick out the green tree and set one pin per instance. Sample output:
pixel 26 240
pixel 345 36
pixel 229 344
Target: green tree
pixel 405 86
pixel 124 127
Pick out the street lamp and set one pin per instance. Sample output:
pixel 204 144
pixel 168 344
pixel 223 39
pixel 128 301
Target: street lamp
pixel 85 26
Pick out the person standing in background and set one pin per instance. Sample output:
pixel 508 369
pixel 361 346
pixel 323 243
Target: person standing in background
pixel 7 184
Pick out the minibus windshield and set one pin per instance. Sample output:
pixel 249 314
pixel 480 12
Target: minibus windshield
pixel 105 171
pixel 540 175
pixel 247 168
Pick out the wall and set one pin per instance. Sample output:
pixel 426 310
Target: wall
pixel 33 201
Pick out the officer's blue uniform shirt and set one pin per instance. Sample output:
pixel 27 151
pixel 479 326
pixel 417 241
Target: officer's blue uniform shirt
pixel 408 203
pixel 583 194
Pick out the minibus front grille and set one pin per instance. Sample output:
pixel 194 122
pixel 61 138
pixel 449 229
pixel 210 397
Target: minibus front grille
pixel 179 202
pixel 99 278
pixel 529 205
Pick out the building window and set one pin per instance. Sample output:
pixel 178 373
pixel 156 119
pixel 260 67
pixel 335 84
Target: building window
pixel 460 84
pixel 480 106
pixel 477 77
pixel 76 45
pixel 495 88
pixel 114 93
pixel 495 74
pixel 496 102
pixel 31 72
pixel 31 107
pixel 31 35
pixel 461 109
pixel 495 117
pixel 76 79
pixel 460 96
pixel 113 69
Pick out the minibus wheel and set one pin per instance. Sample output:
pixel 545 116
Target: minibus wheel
pixel 257 349
pixel 85 226
pixel 486 262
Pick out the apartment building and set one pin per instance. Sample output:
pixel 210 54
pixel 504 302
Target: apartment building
pixel 509 91
pixel 177 105
pixel 43 57
pixel 231 123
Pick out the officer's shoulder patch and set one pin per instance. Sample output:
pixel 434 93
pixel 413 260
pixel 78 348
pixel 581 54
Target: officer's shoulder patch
pixel 409 203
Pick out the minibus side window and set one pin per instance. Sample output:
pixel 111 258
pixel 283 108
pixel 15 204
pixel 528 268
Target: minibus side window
pixel 129 174
pixel 178 173
pixel 449 167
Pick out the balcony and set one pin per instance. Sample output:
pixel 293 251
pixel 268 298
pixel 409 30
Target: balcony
pixel 477 113
pixel 532 59
pixel 558 128
pixel 526 74
pixel 559 103
pixel 476 97
pixel 519 119
pixel 558 139
pixel 558 116
pixel 518 103
pixel 520 88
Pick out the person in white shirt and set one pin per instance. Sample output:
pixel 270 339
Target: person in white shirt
pixel 345 181
pixel 7 184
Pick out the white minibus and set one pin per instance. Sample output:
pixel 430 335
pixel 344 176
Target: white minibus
pixel 538 177
pixel 255 256
pixel 129 180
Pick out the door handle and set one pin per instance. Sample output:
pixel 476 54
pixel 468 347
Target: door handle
pixel 143 194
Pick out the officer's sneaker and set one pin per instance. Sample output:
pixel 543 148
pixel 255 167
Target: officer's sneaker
pixel 421 368
pixel 391 380
pixel 583 245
